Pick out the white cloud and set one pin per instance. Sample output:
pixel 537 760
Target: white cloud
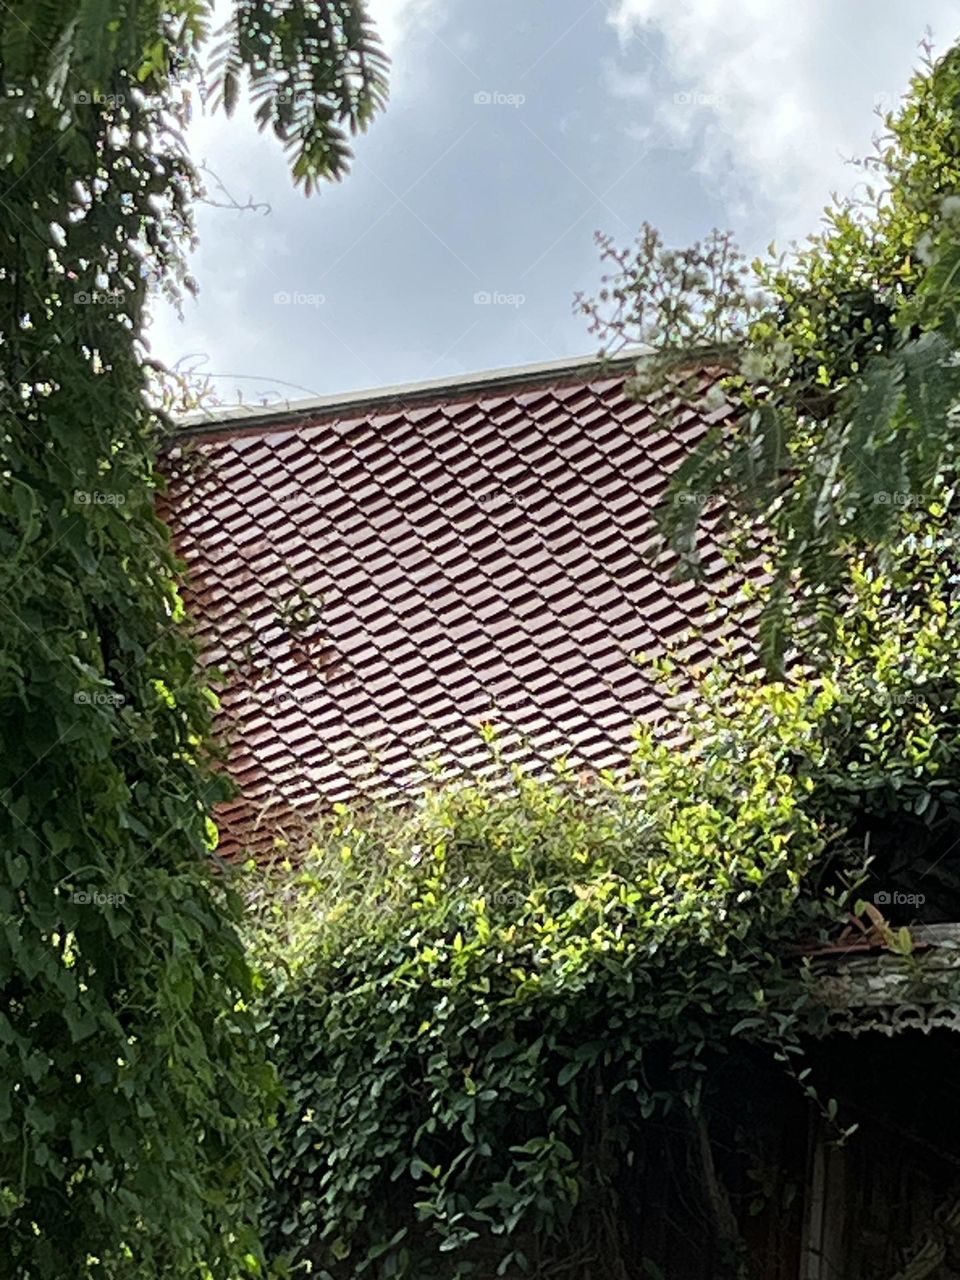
pixel 773 96
pixel 395 19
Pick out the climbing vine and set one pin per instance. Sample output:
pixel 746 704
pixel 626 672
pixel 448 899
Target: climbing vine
pixel 134 1085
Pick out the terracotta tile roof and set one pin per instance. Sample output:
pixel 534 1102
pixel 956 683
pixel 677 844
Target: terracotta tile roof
pixel 377 577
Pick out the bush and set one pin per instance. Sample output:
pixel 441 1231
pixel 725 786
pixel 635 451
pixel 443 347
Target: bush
pixel 478 1007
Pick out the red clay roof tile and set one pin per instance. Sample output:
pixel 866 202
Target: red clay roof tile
pixel 473 554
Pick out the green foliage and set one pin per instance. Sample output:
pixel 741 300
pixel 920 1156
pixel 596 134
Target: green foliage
pixel 135 1089
pixel 314 71
pixel 478 1009
pixel 843 383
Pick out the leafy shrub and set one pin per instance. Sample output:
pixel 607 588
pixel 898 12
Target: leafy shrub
pixel 479 1007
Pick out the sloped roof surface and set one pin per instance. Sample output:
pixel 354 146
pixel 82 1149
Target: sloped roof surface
pixel 378 579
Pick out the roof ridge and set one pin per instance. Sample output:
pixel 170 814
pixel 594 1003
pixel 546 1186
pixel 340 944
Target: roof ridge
pixel 250 420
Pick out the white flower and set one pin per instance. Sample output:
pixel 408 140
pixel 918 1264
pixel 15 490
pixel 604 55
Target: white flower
pixel 925 248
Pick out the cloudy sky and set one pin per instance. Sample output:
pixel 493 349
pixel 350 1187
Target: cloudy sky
pixel 517 128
